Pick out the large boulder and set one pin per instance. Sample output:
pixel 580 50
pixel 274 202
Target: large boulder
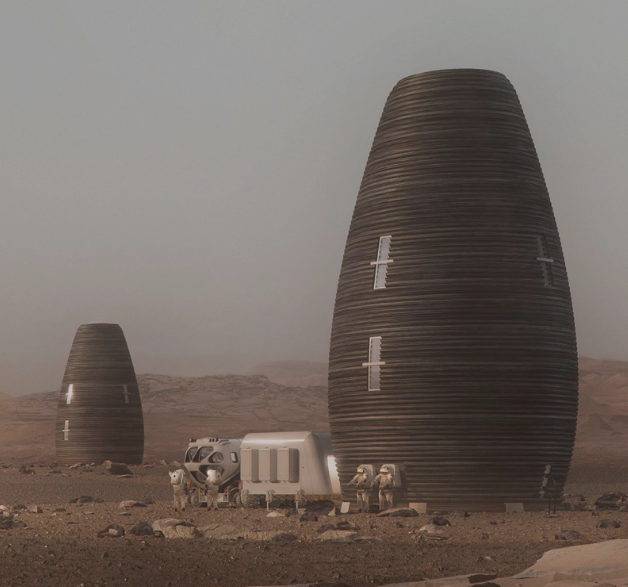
pixel 112 530
pixel 322 507
pixel 586 559
pixel 131 503
pixel 223 531
pixel 117 468
pixel 612 500
pixel 399 513
pixel 142 529
pixel 174 528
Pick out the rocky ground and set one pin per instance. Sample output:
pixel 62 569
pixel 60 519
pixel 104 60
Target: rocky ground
pixel 60 546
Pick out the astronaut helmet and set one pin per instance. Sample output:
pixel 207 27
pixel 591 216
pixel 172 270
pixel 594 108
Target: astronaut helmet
pixel 384 471
pixel 361 471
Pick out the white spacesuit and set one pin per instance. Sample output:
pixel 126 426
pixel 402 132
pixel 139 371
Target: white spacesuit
pixel 177 479
pixel 362 483
pixel 386 483
pixel 213 482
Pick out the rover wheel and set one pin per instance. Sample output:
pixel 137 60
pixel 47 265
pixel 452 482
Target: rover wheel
pixel 194 499
pixel 236 499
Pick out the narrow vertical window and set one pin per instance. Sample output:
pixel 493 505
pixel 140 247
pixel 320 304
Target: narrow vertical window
pixel 66 430
pixel 545 260
pixel 70 394
pixel 381 265
pixel 126 394
pixel 374 364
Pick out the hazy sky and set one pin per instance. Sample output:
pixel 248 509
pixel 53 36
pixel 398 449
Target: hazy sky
pixel 189 169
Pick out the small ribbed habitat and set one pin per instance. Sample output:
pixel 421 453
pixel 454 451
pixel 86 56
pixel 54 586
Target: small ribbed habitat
pixel 99 414
pixel 453 346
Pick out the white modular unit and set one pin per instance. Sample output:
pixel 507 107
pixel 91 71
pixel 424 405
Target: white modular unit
pixel 287 463
pixel 268 464
pixel 249 465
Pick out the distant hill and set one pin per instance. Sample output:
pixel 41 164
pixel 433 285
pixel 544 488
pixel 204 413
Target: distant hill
pixel 293 373
pixel 177 408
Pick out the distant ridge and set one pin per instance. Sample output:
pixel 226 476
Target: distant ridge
pixel 293 373
pixel 177 408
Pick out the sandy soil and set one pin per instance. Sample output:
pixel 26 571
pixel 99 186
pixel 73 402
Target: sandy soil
pixel 61 548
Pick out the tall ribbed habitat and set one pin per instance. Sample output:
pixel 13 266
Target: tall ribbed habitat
pixel 99 416
pixel 453 346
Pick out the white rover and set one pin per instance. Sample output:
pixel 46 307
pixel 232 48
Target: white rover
pixel 264 466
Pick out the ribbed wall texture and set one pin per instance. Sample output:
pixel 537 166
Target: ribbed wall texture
pixel 102 419
pixel 479 386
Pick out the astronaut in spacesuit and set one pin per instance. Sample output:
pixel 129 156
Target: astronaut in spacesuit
pixel 386 483
pixel 362 482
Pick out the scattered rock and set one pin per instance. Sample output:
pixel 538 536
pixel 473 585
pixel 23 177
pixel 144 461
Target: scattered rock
pixel 6 523
pixel 222 531
pixel 26 471
pixel 284 537
pixel 485 559
pixel 399 513
pixel 338 536
pixel 59 510
pixel 308 517
pixel 142 529
pixel 276 514
pixel 131 503
pixel 112 530
pixel 175 464
pixel 19 507
pixel 440 521
pixel 35 509
pixel 117 468
pixel 149 501
pixel 432 529
pixel 484 536
pixel 612 500
pixel 321 508
pixel 569 535
pixel 174 528
pixel 606 523
pixel 325 528
pixel 346 525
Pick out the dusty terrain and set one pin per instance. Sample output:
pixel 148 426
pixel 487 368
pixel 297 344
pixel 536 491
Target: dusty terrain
pixel 236 547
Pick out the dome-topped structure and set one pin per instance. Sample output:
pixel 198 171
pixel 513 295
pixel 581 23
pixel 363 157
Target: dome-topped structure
pixel 453 347
pixel 100 412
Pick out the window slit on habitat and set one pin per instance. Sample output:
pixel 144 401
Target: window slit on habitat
pixel 381 265
pixel 545 260
pixel 374 363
